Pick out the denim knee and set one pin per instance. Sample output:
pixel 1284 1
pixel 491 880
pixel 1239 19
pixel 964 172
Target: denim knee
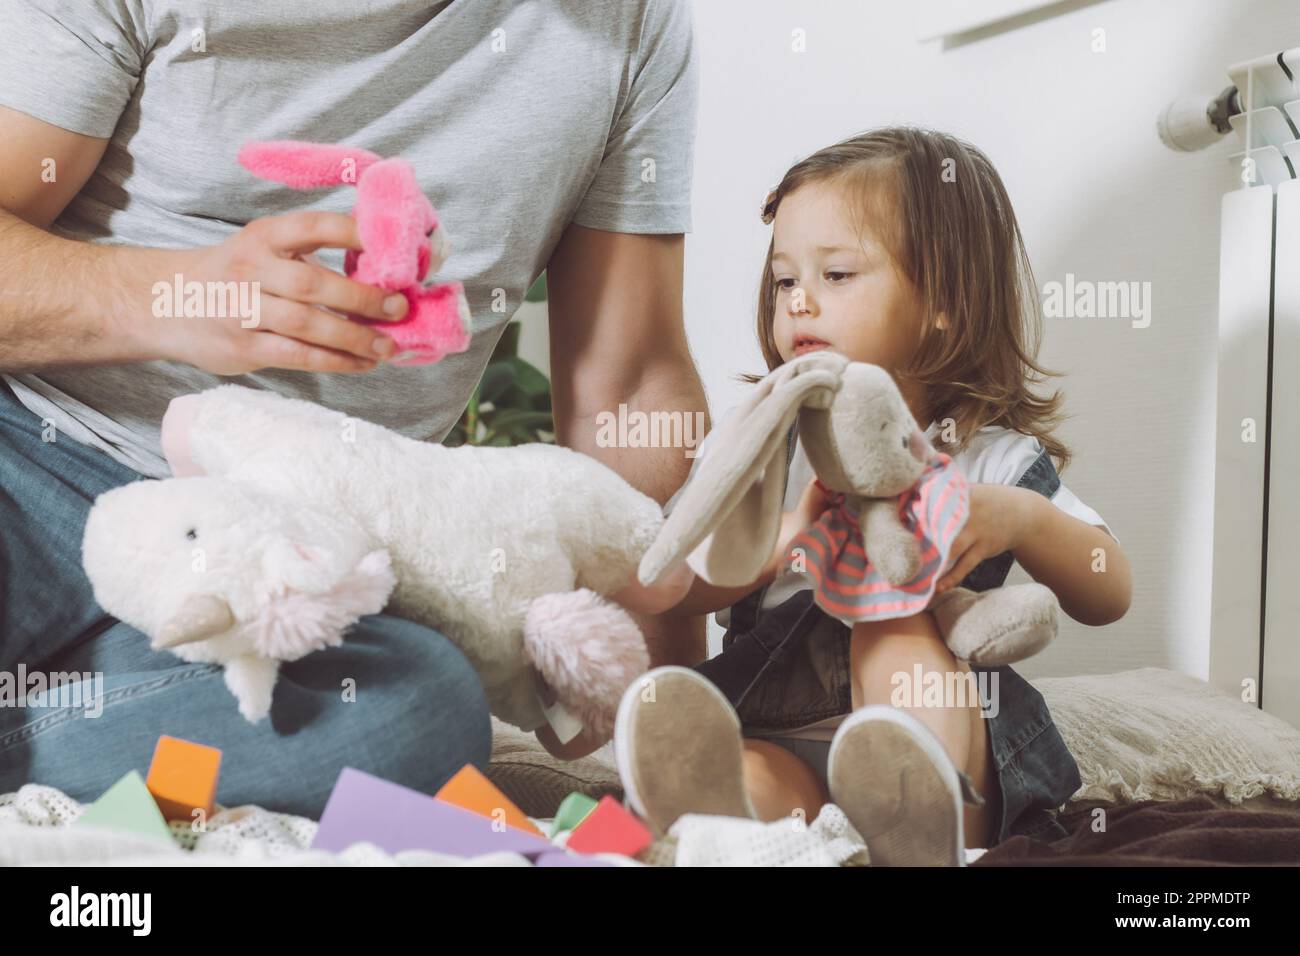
pixel 435 718
pixel 395 700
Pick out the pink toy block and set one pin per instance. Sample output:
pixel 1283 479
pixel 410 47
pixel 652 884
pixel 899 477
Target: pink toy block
pixel 610 829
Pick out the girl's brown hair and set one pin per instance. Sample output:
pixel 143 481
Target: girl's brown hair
pixel 947 220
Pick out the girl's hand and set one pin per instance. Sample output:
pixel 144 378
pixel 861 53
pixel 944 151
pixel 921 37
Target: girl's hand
pixel 1001 517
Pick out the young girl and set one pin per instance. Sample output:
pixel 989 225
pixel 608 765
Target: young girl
pixel 897 247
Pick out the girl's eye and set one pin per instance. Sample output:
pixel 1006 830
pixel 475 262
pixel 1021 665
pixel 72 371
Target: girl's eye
pixel 832 275
pixel 781 284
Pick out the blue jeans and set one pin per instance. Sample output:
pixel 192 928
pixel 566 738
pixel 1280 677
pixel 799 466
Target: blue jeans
pixel 418 713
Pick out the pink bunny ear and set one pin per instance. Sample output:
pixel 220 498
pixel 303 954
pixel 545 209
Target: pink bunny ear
pixel 306 165
pixel 394 219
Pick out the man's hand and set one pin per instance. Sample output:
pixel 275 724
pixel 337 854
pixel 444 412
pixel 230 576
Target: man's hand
pixel 79 303
pixel 295 328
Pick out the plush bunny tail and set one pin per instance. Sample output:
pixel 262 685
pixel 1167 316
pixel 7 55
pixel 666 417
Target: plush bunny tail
pixel 305 165
pixel 295 623
pixel 588 650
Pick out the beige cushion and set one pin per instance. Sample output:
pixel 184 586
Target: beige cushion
pixel 536 782
pixel 1155 734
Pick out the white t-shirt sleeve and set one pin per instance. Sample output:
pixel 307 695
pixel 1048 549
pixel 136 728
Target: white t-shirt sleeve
pixel 1068 501
pixel 1004 457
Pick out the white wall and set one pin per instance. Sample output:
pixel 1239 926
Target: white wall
pixel 1073 135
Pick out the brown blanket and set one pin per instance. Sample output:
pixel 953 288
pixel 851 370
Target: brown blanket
pixel 1192 832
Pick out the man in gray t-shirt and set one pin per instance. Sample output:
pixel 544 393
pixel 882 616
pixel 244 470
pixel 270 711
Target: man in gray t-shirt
pixel 520 119
pixel 555 135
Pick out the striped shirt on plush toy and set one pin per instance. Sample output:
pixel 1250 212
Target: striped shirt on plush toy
pixel 847 585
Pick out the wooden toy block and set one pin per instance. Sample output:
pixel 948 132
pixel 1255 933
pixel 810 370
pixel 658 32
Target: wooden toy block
pixel 470 790
pixel 183 778
pixel 127 805
pixel 610 829
pixel 573 810
pixel 394 818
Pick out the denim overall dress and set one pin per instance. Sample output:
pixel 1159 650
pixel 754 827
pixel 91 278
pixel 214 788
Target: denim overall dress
pixel 788 667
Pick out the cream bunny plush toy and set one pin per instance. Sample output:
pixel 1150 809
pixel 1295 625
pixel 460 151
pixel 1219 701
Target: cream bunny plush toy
pixel 288 521
pixel 879 552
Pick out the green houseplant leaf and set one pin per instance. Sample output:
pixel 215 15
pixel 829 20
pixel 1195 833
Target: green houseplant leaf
pixel 537 291
pixel 512 403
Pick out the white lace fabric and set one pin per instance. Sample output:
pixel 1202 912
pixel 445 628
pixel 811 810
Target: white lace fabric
pixel 1145 734
pixel 35 829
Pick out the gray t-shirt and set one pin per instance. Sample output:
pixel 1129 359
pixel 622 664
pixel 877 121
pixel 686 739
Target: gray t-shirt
pixel 519 119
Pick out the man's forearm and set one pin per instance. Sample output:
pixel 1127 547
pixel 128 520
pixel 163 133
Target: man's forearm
pixel 71 303
pixel 668 396
pixel 665 390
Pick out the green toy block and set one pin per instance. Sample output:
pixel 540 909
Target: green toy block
pixel 573 810
pixel 127 805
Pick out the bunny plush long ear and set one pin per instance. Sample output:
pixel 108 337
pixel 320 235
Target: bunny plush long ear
pixel 726 522
pixel 394 220
pixel 306 165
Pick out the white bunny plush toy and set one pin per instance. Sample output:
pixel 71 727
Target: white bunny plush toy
pixel 287 521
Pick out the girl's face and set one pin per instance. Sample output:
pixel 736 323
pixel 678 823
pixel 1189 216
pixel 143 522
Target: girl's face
pixel 837 288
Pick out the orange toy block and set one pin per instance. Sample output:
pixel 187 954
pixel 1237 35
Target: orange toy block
pixel 470 790
pixel 610 829
pixel 183 778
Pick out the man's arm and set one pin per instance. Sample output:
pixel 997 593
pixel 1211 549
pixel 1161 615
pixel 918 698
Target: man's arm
pixel 50 289
pixel 79 303
pixel 617 337
pixel 45 166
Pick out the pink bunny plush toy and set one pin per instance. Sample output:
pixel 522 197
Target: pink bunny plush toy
pixel 401 237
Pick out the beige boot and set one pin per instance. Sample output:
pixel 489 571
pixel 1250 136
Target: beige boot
pixel 679 748
pixel 896 784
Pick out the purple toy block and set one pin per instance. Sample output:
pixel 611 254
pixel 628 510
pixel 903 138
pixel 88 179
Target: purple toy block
pixel 365 808
pixel 558 857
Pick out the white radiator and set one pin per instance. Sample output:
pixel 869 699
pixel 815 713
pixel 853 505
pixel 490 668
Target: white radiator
pixel 1255 617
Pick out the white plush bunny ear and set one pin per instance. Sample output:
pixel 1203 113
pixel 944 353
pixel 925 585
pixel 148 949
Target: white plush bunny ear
pixel 727 519
pixel 313 599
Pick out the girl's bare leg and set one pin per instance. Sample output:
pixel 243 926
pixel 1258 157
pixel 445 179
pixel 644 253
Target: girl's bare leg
pixel 879 650
pixel 780 784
